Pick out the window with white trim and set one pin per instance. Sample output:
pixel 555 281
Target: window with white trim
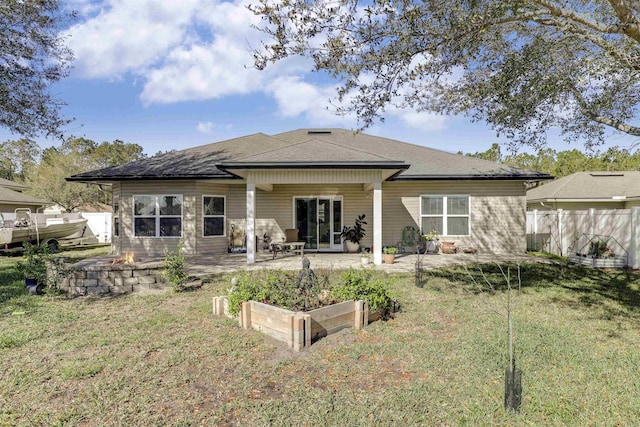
pixel 213 216
pixel 116 216
pixel 157 216
pixel 447 215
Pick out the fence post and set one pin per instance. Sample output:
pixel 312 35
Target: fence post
pixel 634 248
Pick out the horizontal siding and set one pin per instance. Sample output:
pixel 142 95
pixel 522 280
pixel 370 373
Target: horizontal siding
pixel 314 176
pixel 497 212
pixel 157 246
pixel 211 244
pixel 274 210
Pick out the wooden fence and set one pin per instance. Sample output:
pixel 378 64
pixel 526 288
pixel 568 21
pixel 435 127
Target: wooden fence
pixel 560 232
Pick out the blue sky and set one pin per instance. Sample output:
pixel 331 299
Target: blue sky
pixel 175 74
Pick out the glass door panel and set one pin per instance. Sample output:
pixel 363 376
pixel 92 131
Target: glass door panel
pixel 324 223
pixel 319 222
pixel 337 224
pixel 307 221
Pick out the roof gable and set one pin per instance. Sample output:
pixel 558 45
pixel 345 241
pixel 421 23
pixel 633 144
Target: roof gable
pixel 12 185
pixel 9 196
pixel 589 185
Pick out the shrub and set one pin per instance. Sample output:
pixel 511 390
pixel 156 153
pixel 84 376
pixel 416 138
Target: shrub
pixel 280 288
pixel 364 284
pixel 173 269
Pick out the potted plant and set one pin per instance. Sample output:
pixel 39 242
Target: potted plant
pixel 389 254
pixel 365 256
pixel 34 268
pixel 351 236
pixel 433 241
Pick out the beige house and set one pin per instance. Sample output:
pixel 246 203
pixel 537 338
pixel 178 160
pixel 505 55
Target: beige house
pixel 587 190
pixel 315 181
pixel 12 197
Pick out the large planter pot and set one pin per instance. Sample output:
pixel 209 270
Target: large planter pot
pixel 351 247
pixel 448 247
pixel 432 247
pixel 33 287
pixel 389 258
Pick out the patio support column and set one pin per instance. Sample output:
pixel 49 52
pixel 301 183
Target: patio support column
pixel 251 223
pixel 377 223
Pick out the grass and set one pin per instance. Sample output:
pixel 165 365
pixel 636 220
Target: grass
pixel 165 360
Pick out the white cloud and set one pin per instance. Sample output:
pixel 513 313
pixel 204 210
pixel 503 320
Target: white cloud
pixel 296 97
pixel 192 50
pixel 205 127
pixel 128 36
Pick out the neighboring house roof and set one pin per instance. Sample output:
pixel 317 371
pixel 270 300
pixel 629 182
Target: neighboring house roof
pixel 308 148
pixel 589 186
pixel 8 196
pixel 12 185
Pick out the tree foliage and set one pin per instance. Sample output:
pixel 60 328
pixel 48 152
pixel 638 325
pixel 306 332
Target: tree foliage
pixel 566 162
pixel 45 170
pixel 32 58
pixel 524 66
pixel 18 158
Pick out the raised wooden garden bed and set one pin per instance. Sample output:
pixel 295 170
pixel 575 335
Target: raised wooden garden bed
pixel 609 262
pixel 298 329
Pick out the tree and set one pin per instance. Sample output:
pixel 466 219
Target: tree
pixel 32 58
pixel 115 153
pixel 524 66
pixel 17 158
pixel 74 156
pixel 493 154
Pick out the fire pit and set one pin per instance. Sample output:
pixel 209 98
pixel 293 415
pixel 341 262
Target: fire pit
pixel 121 275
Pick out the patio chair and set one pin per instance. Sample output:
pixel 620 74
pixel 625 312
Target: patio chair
pixel 289 244
pixel 410 237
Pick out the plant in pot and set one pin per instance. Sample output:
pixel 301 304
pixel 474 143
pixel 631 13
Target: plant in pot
pixel 351 236
pixel 432 240
pixel 365 256
pixel 34 267
pixel 389 254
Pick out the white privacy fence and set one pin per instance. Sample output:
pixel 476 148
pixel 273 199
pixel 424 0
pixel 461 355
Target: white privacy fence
pixel 98 225
pixel 557 232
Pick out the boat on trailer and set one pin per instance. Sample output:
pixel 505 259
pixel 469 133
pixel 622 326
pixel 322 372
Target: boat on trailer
pixel 37 229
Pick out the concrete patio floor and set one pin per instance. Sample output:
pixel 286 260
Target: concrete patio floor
pixel 200 265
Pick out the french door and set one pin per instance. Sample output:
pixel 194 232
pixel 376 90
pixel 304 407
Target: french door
pixel 319 222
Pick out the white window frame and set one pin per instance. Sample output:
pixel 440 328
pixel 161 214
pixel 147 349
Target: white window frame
pixel 157 215
pixel 445 215
pixel 223 216
pixel 116 230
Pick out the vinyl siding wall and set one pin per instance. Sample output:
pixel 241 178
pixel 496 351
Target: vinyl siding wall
pixel 157 246
pixel 275 210
pixel 497 212
pixel 497 217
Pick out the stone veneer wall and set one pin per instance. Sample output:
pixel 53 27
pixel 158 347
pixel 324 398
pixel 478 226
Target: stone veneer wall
pixel 99 279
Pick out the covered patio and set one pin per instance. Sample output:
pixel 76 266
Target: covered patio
pixel 200 265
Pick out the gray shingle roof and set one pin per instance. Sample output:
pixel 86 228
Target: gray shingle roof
pixel 589 186
pixel 8 196
pixel 12 185
pixel 307 148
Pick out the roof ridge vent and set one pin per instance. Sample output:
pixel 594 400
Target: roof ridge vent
pixel 606 174
pixel 318 131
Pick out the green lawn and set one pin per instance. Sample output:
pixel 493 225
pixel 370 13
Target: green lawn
pixel 165 360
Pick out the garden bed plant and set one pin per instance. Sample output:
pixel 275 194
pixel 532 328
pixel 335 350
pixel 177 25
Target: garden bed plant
pixel 286 289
